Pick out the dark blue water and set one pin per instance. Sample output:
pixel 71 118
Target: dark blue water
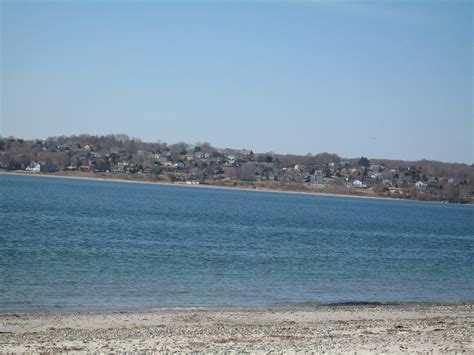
pixel 93 245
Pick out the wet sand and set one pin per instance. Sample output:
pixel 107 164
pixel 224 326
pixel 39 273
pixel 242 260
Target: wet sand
pixel 378 328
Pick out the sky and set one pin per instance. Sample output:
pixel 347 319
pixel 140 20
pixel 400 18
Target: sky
pixel 382 79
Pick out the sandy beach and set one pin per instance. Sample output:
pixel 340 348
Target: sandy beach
pixel 380 328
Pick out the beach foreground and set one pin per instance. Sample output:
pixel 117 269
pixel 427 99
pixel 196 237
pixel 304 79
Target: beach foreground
pixel 326 328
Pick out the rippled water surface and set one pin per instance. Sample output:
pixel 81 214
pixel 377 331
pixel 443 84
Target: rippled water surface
pixel 77 244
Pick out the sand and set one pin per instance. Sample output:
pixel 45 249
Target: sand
pixel 381 328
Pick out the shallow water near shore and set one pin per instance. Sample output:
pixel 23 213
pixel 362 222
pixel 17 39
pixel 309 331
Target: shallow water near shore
pixel 76 244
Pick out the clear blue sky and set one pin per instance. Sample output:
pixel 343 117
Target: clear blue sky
pixel 378 79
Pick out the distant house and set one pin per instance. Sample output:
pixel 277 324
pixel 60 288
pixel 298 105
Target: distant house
pixel 231 159
pixel 201 155
pixel 119 170
pixel 236 153
pixel 179 165
pixel 121 167
pixel 86 165
pixel 394 191
pixel 358 184
pixel 162 161
pixel 420 184
pixel 48 168
pixel 33 167
pixel 123 164
pixel 316 178
pixel 432 183
pixel 299 168
pixel 154 155
pixel 64 147
pixel 189 156
pixel 345 165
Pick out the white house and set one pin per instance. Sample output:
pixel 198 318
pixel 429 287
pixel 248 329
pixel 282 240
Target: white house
pixel 34 167
pixel 298 168
pixel 420 184
pixel 358 184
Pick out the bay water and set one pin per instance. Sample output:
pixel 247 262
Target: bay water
pixel 82 244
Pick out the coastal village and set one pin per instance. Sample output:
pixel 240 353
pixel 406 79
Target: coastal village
pixel 120 157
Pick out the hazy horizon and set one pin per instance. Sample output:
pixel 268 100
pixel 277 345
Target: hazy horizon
pixel 386 80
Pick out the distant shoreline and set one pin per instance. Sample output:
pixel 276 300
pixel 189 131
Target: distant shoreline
pixel 210 186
